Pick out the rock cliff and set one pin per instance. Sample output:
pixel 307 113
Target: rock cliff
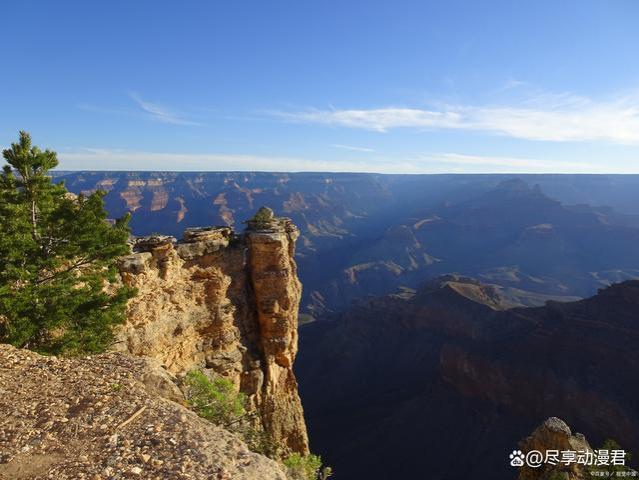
pixel 554 434
pixel 226 303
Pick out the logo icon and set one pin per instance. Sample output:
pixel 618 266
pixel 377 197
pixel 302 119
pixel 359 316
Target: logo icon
pixel 517 458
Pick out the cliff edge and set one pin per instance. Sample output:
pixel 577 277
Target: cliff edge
pixel 226 303
pixel 110 416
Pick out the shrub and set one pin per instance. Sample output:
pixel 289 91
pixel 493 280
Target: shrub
pixel 263 215
pixel 611 470
pixel 307 467
pixel 258 440
pixel 262 219
pixel 216 400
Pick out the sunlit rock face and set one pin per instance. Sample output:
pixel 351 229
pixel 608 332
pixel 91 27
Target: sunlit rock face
pixel 227 303
pixel 554 435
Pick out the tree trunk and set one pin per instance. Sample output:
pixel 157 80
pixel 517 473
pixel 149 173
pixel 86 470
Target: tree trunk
pixel 34 222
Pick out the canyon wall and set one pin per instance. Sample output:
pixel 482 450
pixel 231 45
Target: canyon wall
pixel 226 303
pixel 451 357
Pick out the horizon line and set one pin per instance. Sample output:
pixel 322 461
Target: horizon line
pixel 319 172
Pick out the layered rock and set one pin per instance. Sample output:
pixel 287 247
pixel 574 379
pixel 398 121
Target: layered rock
pixel 226 303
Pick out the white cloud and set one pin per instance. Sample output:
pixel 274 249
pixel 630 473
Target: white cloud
pixel 380 119
pixel 547 117
pixel 160 112
pixel 107 159
pixel 352 148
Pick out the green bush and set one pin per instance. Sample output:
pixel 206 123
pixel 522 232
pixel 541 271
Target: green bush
pixel 216 400
pixel 262 219
pixel 307 467
pixel 258 440
pixel 611 470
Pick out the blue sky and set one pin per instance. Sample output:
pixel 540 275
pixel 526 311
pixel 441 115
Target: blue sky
pixel 325 85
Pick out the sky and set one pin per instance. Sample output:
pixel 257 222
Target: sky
pixel 397 86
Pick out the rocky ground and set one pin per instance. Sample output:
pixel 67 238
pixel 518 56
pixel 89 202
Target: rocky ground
pixel 109 416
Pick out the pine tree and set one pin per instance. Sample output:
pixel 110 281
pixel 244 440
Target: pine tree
pixel 59 291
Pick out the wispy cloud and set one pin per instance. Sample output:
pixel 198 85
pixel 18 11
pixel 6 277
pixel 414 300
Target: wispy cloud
pixel 546 117
pixel 160 112
pixel 379 119
pixel 446 162
pixel 143 109
pixel 352 148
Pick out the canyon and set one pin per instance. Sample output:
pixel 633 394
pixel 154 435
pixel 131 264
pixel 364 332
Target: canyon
pixel 541 237
pixel 399 378
pixel 431 306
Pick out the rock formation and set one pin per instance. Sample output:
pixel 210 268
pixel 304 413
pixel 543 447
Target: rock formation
pixel 227 303
pixel 554 434
pixel 110 416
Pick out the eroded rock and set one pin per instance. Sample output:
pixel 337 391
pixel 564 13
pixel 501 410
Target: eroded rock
pixel 554 434
pixel 227 303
